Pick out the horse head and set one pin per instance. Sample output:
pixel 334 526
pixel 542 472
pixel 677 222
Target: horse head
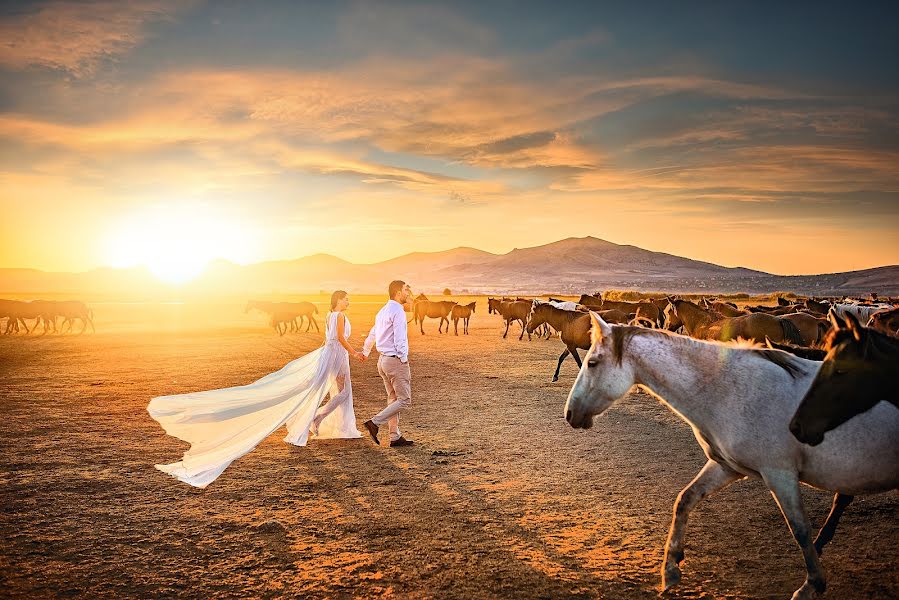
pixel 603 378
pixel 845 373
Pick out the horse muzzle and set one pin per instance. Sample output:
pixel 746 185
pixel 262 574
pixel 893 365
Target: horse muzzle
pixel 806 437
pixel 579 420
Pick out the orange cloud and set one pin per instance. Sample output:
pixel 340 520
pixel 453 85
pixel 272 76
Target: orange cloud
pixel 76 36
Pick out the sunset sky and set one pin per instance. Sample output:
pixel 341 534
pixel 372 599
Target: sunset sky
pixel 763 135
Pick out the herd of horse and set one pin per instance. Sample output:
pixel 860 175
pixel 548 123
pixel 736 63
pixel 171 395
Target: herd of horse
pixel 19 313
pixel 283 316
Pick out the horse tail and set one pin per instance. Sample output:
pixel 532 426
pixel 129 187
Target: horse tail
pixel 791 332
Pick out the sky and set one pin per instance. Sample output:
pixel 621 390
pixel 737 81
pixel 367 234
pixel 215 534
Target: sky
pixel 763 135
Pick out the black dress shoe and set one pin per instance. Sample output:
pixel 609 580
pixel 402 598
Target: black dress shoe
pixel 372 430
pixel 401 441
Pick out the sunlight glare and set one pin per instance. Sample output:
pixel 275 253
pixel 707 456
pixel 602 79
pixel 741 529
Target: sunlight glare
pixel 177 243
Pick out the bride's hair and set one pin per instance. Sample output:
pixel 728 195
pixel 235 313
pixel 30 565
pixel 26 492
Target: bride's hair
pixel 337 297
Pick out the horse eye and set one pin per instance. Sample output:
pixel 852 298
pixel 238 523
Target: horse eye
pixel 592 362
pixel 840 372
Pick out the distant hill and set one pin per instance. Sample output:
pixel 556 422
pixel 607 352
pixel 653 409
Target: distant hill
pixel 569 266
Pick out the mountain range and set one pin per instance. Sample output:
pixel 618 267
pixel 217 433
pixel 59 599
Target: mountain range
pixel 569 266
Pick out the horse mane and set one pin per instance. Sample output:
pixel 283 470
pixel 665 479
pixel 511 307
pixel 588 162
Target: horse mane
pixel 623 334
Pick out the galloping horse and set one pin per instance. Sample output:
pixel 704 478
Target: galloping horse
pixel 739 401
pixel 707 325
pixel 434 310
pixel 861 368
pixel 464 313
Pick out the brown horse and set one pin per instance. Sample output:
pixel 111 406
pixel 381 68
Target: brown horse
pixel 708 325
pixel 861 369
pixel 886 321
pixel 574 327
pixel 493 305
pixel 644 308
pixel 517 310
pixel 464 313
pixel 434 310
pixel 812 329
pixel 816 306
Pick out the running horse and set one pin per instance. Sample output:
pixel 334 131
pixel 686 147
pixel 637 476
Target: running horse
pixel 738 402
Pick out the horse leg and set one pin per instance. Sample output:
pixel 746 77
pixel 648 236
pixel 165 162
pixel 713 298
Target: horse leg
pixel 784 486
pixel 421 324
pixel 559 366
pixel 456 325
pixel 509 322
pixel 711 478
pixel 840 502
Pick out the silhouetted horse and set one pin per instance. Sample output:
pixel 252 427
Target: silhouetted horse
pixel 861 369
pixel 464 313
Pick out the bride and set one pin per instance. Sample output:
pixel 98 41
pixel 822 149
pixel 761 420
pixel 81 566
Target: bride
pixel 223 425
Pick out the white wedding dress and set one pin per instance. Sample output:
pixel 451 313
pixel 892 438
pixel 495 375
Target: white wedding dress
pixel 223 425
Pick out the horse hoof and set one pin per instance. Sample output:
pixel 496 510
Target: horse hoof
pixel 670 577
pixel 808 591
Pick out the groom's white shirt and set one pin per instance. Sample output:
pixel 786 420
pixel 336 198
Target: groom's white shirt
pixel 390 333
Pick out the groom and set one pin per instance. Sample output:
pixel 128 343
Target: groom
pixel 389 336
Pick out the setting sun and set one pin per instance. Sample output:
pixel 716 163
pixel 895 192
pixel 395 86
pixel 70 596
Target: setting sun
pixel 176 243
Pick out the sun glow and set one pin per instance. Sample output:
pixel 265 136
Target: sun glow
pixel 177 243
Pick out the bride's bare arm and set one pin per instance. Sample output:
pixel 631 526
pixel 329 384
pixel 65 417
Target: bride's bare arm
pixel 341 337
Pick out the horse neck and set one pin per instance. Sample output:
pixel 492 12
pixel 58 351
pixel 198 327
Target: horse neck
pixel 682 373
pixel 693 317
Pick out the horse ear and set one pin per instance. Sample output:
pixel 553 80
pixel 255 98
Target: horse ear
pixel 600 328
pixel 854 326
pixel 835 319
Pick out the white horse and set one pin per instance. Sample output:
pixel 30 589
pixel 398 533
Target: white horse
pixel 859 311
pixel 739 402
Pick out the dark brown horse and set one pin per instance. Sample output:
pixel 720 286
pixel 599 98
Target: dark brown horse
pixel 432 310
pixel 709 325
pixel 462 312
pixel 861 369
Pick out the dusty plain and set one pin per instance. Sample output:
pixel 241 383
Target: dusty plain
pixel 498 498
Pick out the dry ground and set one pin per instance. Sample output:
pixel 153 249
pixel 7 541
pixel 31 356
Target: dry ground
pixel 498 497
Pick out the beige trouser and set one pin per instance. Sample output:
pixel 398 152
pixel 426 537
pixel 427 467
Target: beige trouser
pixel 397 378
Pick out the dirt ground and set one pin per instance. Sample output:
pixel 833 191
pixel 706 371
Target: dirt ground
pixel 498 498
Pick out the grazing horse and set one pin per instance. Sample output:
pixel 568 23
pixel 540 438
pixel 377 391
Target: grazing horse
pixel 516 310
pixel 885 321
pixel 464 313
pixel 861 369
pixel 434 310
pixel 738 402
pixel 708 325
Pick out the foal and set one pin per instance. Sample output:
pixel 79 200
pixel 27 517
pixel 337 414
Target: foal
pixel 464 313
pixel 738 401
